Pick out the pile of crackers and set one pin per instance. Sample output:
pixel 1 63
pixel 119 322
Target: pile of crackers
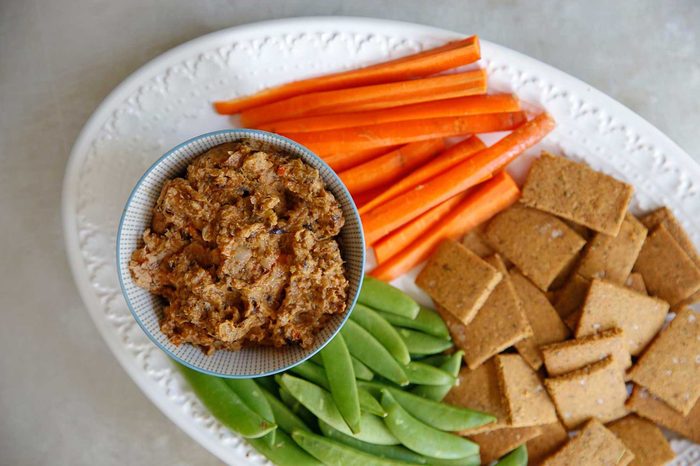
pixel 561 305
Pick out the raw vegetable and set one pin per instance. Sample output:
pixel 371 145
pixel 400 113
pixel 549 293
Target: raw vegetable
pixel 367 349
pixel 517 457
pixel 284 452
pixel 383 331
pixel 333 453
pixel 346 159
pixel 425 374
pixel 427 321
pixel 254 398
pixel 386 298
pixel 341 378
pixel 449 364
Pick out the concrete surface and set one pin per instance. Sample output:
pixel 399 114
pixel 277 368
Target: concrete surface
pixel 63 397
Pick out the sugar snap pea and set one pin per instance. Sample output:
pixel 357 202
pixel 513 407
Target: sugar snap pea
pixel 436 359
pixel 425 374
pixel 427 321
pixel 419 343
pixel 341 378
pixel 517 457
pixel 384 297
pixel 395 452
pixel 268 383
pixel 369 351
pixel 382 330
pixel 296 407
pixel 252 395
pixel 284 452
pixel 422 438
pixel 449 364
pixel 473 460
pixel 226 405
pixel 362 372
pixel 284 416
pixel 333 453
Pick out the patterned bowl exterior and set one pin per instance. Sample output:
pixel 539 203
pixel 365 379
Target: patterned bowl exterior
pixel 147 308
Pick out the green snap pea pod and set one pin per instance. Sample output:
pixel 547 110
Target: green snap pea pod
pixel 369 351
pixel 440 415
pixel 422 438
pixel 369 404
pixel 284 416
pixel 419 343
pixel 384 297
pixel 362 372
pixel 425 374
pixel 383 331
pixel 317 359
pixel 517 457
pixel 451 365
pixel 251 394
pixel 427 321
pixel 341 378
pixel 473 460
pixel 268 383
pixel 333 453
pixel 226 405
pixel 296 407
pixel 284 452
pixel 436 360
pixel 395 452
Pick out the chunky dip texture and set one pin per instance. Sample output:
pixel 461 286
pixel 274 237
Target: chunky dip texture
pixel 243 250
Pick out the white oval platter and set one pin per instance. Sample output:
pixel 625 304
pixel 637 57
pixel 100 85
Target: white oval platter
pixel 168 101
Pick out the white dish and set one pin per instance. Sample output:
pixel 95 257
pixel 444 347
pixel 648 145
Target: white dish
pixel 168 101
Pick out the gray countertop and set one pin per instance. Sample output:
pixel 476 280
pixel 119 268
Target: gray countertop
pixel 63 397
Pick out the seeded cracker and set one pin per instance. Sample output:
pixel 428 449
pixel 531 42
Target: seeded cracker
pixel 576 192
pixel 667 270
pixel 478 389
pixel 646 441
pixel 570 298
pixel 597 390
pixel 458 280
pixel 499 324
pixel 635 282
pixel 539 244
pixel 570 355
pixel 553 436
pixel 612 257
pixel 496 443
pixel 547 326
pixel 670 368
pixel 608 305
pixel 526 400
pixel 594 445
pixel 646 405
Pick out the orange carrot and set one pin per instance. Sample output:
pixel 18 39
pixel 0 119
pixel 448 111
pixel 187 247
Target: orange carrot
pixel 473 105
pixel 327 101
pixel 493 196
pixel 453 92
pixel 441 163
pixel 389 216
pixel 402 132
pixel 437 60
pixel 345 160
pixel 363 198
pixel 388 167
pixel 397 240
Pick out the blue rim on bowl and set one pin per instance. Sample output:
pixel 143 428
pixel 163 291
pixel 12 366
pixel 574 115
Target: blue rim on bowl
pixel 144 306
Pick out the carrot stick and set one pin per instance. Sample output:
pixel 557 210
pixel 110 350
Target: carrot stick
pixel 472 105
pixel 397 240
pixel 439 164
pixel 473 82
pixel 388 167
pixel 363 198
pixel 389 216
pixel 493 196
pixel 402 132
pixel 452 92
pixel 437 60
pixel 345 160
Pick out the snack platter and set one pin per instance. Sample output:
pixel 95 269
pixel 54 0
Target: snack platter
pixel 168 101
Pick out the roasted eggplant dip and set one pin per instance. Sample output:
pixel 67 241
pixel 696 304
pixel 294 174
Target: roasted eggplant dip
pixel 244 251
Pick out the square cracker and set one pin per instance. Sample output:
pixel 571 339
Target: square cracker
pixel 646 441
pixel 539 244
pixel 458 280
pixel 552 437
pixel 635 282
pixel 667 270
pixel 570 298
pixel 594 445
pixel 609 305
pixel 478 389
pixel 570 355
pixel 525 398
pixel 496 443
pixel 670 368
pixel 612 257
pixel 576 192
pixel 597 390
pixel 499 324
pixel 547 326
pixel 475 242
pixel 647 405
